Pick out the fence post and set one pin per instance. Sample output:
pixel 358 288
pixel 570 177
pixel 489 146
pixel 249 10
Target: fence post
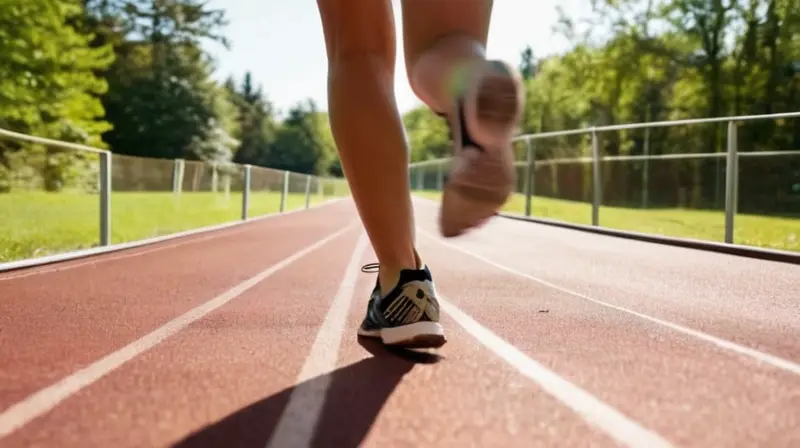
pixel 105 198
pixel 527 185
pixel 421 178
pixel 731 181
pixel 646 170
pixel 177 176
pixel 226 186
pixel 285 191
pixel 214 177
pixel 308 190
pixel 246 192
pixel 440 177
pixel 597 184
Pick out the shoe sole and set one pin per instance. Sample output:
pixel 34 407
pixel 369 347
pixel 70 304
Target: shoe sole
pixel 416 335
pixel 480 183
pixel 467 206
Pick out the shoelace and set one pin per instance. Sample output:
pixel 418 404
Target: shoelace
pixel 370 267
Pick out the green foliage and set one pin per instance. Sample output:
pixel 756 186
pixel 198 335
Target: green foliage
pixel 131 75
pixel 427 135
pixel 304 142
pixel 164 114
pixel 48 86
pixel 47 80
pixel 637 61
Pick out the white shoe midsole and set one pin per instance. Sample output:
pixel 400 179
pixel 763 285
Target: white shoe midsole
pixel 410 331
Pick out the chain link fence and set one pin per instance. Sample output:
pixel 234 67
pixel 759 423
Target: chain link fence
pixel 58 197
pixel 684 178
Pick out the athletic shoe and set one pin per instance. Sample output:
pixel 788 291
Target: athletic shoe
pixel 482 176
pixel 408 316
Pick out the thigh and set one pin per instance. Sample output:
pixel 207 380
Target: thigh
pixel 427 21
pixel 357 27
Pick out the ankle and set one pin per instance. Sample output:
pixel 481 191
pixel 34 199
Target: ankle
pixel 388 279
pixel 389 274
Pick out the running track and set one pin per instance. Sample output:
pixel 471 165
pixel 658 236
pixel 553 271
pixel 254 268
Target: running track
pixel 246 337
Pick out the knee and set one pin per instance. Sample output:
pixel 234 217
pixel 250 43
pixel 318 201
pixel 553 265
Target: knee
pixel 375 57
pixel 362 44
pixel 360 60
pixel 357 34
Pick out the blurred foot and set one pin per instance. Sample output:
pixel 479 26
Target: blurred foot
pixel 482 125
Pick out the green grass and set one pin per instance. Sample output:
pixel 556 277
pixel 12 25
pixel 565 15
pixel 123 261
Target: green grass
pixel 751 230
pixel 37 224
pixel 34 224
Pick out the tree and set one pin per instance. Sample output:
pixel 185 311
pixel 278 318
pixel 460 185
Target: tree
pixel 633 61
pixel 257 125
pixel 162 101
pixel 304 142
pixel 48 85
pixel 427 133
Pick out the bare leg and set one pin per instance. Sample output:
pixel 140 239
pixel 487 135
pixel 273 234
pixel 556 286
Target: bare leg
pixel 441 36
pixel 360 42
pixel 445 58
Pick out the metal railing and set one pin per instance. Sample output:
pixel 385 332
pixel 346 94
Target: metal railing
pixel 56 195
pixel 534 159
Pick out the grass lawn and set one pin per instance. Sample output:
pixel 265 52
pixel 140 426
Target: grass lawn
pixel 34 224
pixel 751 230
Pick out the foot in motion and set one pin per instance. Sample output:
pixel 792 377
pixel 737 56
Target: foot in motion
pixel 485 113
pixel 408 316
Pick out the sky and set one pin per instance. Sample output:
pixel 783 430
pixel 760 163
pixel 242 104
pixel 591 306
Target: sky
pixel 281 43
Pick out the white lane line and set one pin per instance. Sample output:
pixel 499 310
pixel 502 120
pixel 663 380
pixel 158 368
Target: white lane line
pixel 759 356
pixel 207 233
pixel 48 398
pixel 594 411
pixel 298 423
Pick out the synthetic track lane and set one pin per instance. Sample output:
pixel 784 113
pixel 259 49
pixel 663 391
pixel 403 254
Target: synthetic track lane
pixel 220 373
pixel 682 388
pixel 751 302
pixel 57 322
pixel 462 395
pixel 238 357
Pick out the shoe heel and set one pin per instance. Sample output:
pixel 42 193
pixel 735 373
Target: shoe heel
pixel 416 335
pixel 495 106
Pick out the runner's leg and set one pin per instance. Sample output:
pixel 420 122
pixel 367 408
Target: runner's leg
pixel 360 43
pixel 445 44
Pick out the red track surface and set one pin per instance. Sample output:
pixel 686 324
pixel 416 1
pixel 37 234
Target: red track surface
pixel 650 345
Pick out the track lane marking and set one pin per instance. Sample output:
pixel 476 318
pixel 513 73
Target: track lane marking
pixel 44 400
pixel 201 234
pixel 298 422
pixel 757 355
pixel 590 408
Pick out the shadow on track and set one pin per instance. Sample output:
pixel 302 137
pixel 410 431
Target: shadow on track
pixel 356 394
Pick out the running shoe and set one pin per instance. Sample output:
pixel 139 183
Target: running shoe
pixel 487 109
pixel 408 316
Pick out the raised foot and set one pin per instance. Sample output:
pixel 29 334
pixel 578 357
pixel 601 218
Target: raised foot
pixel 483 174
